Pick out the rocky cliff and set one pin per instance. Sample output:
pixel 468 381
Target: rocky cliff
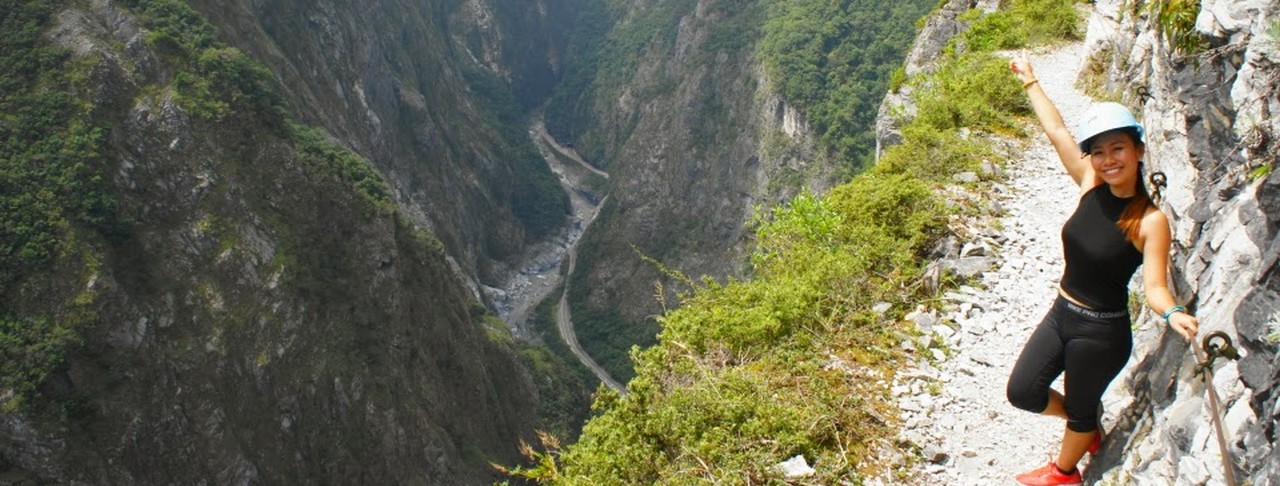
pixel 939 28
pixel 244 298
pixel 1212 129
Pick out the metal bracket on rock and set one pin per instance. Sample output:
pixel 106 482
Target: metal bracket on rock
pixel 1216 345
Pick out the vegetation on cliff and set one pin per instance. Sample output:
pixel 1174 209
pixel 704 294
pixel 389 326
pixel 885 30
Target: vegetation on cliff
pixel 833 61
pixel 60 210
pixel 215 290
pixel 536 196
pixel 54 198
pixel 795 361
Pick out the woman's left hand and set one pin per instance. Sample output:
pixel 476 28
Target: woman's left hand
pixel 1185 324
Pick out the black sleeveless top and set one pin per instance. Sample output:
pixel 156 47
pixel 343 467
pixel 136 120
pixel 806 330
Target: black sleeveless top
pixel 1099 260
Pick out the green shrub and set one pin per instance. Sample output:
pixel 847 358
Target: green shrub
pixel 897 79
pixel 344 166
pixel 934 154
pixel 899 204
pixel 994 31
pixel 32 350
pixel 974 91
pixel 1176 22
pixel 1048 21
pixel 1020 23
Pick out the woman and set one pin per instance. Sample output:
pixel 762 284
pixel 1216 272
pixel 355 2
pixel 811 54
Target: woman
pixel 1115 229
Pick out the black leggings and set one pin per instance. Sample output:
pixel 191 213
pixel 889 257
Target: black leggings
pixel 1090 347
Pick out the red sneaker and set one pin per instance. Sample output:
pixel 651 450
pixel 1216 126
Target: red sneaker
pixel 1049 476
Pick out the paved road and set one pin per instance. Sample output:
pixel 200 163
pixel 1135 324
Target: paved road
pixel 541 128
pixel 565 323
pixel 587 212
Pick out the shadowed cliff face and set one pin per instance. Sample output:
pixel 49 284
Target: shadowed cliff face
pixel 264 311
pixel 421 89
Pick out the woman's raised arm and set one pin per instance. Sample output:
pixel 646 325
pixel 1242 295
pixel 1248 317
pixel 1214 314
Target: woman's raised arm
pixel 1051 120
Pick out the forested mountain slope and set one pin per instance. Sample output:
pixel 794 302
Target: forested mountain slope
pixel 198 286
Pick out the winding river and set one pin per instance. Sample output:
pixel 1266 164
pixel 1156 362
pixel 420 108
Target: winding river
pixel 541 273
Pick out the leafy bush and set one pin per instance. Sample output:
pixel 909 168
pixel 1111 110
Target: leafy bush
pixel 974 91
pixel 897 203
pixel 342 165
pixel 211 80
pixel 32 350
pixel 994 31
pixel 1176 22
pixel 1021 23
pixel 934 154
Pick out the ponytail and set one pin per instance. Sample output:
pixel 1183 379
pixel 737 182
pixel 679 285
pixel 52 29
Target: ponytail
pixel 1130 221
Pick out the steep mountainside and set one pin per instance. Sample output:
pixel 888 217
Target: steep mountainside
pixel 678 102
pixel 198 288
pixel 432 92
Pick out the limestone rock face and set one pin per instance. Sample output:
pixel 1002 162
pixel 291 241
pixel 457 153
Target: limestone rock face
pixel 938 30
pixel 1211 126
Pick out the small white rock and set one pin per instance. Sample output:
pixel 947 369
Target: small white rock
pixel 796 467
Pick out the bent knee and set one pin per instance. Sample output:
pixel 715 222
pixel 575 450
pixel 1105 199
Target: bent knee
pixel 1027 398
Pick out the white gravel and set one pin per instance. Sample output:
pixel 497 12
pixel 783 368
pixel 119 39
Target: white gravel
pixel 969 433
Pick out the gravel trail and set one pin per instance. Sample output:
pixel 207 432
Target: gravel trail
pixel 969 433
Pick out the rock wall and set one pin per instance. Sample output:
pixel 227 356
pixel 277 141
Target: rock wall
pixel 1212 130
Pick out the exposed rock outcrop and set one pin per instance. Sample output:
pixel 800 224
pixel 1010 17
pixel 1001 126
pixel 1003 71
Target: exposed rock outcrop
pixel 1211 129
pixel 941 26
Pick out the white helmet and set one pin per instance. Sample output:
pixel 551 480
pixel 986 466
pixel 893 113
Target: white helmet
pixel 1105 117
